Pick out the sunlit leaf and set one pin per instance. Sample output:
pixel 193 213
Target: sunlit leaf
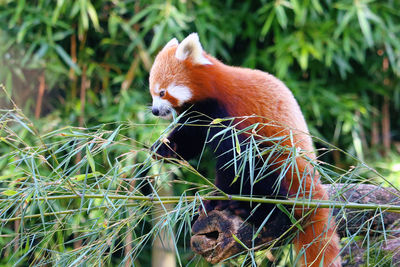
pixel 93 15
pixel 9 192
pixel 281 16
pixel 84 14
pixel 365 26
pixel 267 24
pixel 303 59
pixel 113 25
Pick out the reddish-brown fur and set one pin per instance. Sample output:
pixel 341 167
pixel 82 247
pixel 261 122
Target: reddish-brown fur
pixel 247 92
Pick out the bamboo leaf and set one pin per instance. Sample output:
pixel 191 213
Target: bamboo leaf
pixel 13 175
pixel 344 22
pixel 113 25
pixel 111 138
pixel 17 14
pixel 235 179
pixel 365 26
pixel 239 241
pixel 56 13
pixel 303 59
pixel 93 16
pixel 219 120
pixel 90 159
pixel 67 59
pixel 9 192
pixel 61 35
pixel 237 144
pixel 291 217
pixel 317 6
pixel 84 15
pixel 42 51
pixel 281 16
pixel 267 24
pixel 81 177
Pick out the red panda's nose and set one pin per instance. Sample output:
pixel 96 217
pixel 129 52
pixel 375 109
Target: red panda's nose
pixel 155 111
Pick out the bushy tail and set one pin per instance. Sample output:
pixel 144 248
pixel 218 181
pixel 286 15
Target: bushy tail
pixel 319 241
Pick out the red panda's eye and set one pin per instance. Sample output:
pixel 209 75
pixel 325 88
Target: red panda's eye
pixel 162 93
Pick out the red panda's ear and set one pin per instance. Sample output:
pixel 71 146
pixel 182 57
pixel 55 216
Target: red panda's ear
pixel 191 48
pixel 171 43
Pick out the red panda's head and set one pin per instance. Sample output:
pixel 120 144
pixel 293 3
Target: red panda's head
pixel 172 83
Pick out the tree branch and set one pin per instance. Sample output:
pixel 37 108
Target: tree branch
pixel 220 234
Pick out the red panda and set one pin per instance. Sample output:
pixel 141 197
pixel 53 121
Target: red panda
pixel 184 77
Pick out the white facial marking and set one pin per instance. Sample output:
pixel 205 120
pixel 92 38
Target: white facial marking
pixel 191 48
pixel 180 92
pixel 164 107
pixel 157 88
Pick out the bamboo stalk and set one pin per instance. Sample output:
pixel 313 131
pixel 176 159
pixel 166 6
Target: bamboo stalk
pixel 175 199
pixel 363 137
pixel 374 130
pixel 74 59
pixel 162 200
pixel 385 112
pixel 386 126
pixel 39 100
pixel 84 85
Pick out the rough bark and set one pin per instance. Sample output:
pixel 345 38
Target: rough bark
pixel 214 234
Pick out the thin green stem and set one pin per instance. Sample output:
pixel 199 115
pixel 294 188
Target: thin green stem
pixel 175 199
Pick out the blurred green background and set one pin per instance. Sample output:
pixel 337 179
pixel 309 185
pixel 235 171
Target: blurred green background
pixel 85 63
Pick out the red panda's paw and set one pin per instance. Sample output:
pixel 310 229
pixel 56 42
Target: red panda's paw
pixel 164 150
